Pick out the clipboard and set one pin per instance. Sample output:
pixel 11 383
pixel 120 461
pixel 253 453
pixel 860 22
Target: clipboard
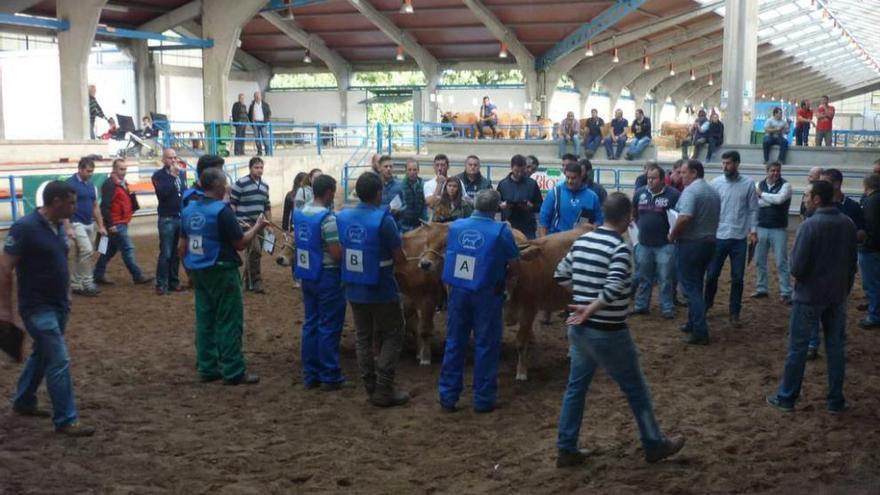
pixel 11 340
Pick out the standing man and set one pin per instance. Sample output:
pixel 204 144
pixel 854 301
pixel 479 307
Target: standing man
pixel 317 265
pixel 95 110
pixel 812 176
pixel 823 263
pixel 434 187
pixel 615 143
pixel 597 268
pixel 737 228
pixel 249 199
pixel 414 209
pixel 656 255
pixel 869 252
pixel 209 241
pixel 371 246
pixel 532 165
pixel 775 132
pixel 714 136
pixel 594 186
pixel 698 135
pixel 85 218
pixel 824 116
pixel 567 205
pixel 774 200
pixel 392 191
pixel 803 122
pixel 240 113
pixel 488 117
pixel 641 130
pixel 569 132
pixel 118 205
pixel 699 209
pixel 844 203
pixel 260 114
pixel 520 198
pixel 36 249
pixel 169 185
pixel 593 139
pixel 472 180
pixel 480 254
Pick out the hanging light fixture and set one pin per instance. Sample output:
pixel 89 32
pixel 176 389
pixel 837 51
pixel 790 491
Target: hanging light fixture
pixel 646 63
pixel 763 96
pixel 307 58
pixel 711 81
pixel 502 52
pixel 407 7
pixel 615 58
pixel 671 69
pixel 400 56
pixel 589 51
pixel 288 14
pixel 693 75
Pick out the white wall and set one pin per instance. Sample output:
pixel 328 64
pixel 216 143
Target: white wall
pixel 470 99
pixel 180 97
pixel 318 106
pixel 564 102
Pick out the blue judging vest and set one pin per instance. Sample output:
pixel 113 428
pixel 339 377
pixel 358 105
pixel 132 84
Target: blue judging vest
pixel 471 257
pixel 194 193
pixel 309 248
pixel 361 245
pixel 199 223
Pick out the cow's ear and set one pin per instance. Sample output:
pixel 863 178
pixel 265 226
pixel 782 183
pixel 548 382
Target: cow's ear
pixel 529 253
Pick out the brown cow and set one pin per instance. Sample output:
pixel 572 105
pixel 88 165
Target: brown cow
pixel 534 289
pixel 543 129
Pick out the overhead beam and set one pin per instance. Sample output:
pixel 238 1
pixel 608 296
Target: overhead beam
pixel 34 22
pixel 16 6
pixel 335 62
pixel 241 57
pixel 170 20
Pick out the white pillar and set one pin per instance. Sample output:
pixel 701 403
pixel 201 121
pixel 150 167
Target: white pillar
pixel 74 47
pixel 739 69
pixel 145 78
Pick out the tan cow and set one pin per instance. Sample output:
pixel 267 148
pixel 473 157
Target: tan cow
pixel 518 123
pixel 543 129
pixel 465 123
pixel 534 289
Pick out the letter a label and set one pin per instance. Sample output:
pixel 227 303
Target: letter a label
pixel 464 267
pixel 354 260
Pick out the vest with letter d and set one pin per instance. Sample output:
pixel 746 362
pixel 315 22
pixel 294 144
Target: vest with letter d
pixel 199 223
pixel 470 253
pixel 309 248
pixel 361 246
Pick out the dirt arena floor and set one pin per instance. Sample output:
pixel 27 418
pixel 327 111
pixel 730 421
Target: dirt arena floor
pixel 160 431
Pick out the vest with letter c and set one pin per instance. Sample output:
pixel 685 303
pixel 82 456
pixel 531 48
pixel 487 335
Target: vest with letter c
pixel 309 249
pixel 361 245
pixel 199 223
pixel 471 254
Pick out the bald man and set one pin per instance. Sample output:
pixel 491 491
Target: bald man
pixel 812 177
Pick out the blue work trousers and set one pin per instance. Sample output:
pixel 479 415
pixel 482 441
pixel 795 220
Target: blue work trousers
pixel 324 301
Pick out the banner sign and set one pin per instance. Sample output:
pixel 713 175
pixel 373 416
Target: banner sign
pixel 548 178
pixel 32 188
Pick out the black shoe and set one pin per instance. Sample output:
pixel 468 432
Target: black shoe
pixel 862 307
pixel 91 292
pixel 642 311
pixel 312 386
pixel 759 295
pixel 735 322
pixel 142 280
pixel 775 402
pixel 812 354
pixel 387 396
pixel 786 300
pixel 867 324
pixel 838 410
pixel 332 387
pixel 484 410
pixel 668 316
pixel 567 458
pixel 680 303
pixel 75 429
pixel 686 328
pixel 209 379
pixel 244 379
pixel 103 281
pixel 669 448
pixel 31 412
pixel 695 340
pixel 447 408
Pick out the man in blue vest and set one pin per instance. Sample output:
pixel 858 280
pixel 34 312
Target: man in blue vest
pixel 479 253
pixel 209 241
pixel 371 245
pixel 196 192
pixel 317 265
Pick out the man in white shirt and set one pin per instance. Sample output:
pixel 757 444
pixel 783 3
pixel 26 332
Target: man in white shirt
pixel 774 200
pixel 434 187
pixel 260 114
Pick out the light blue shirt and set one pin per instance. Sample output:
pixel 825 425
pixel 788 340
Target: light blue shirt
pixel 739 207
pixel 700 202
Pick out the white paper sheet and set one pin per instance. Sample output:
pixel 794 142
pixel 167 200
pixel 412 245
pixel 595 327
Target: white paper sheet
pixel 395 203
pixel 268 242
pixel 633 231
pixel 103 244
pixel 672 217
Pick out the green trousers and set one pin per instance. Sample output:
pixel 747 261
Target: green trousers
pixel 219 322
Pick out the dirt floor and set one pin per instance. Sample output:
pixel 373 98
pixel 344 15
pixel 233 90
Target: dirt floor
pixel 159 431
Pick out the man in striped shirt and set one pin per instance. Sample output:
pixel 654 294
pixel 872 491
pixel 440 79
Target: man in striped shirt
pixel 249 198
pixel 598 269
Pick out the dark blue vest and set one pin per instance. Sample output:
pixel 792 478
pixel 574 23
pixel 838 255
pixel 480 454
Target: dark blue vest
pixel 774 216
pixel 309 248
pixel 471 257
pixel 361 245
pixel 199 223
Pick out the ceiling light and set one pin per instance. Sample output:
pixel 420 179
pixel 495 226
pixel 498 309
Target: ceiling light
pixel 502 53
pixel 288 14
pixel 693 75
pixel 400 56
pixel 671 70
pixel 407 7
pixel 589 52
pixel 307 58
pixel 763 96
pixel 646 63
pixel 615 56
pixel 711 81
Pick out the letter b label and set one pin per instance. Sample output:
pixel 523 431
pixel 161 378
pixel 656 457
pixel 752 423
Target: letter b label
pixel 354 260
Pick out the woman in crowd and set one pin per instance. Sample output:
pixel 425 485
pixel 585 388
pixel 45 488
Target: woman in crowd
pixel 452 205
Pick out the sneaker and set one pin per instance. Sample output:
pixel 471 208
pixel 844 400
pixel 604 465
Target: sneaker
pixel 668 448
pixel 812 354
pixel 161 292
pixel 103 281
pixel 75 429
pixel 734 321
pixel 686 328
pixel 679 303
pixel 835 411
pixel 332 387
pixel 867 324
pixel 567 458
pixel 447 408
pixel 31 412
pixel 244 379
pixel 695 340
pixel 775 402
pixel 759 295
pixel 86 292
pixel 142 280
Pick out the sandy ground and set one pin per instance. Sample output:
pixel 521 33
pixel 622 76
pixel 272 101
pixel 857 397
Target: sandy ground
pixel 159 431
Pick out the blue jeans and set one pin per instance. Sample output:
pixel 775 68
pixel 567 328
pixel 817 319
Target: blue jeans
pixel 805 320
pixel 776 239
pixel 119 242
pixel 324 301
pixel 692 259
pixel 261 137
pixel 592 143
pixel 479 311
pixel 168 264
pixel 802 135
pixel 616 353
pixel 563 145
pixel 869 265
pixel 49 360
pixel 638 145
pixel 770 141
pixel 736 249
pixel 609 147
pixel 655 263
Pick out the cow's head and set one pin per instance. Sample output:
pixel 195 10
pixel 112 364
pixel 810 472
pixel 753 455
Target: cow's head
pixel 431 259
pixel 285 255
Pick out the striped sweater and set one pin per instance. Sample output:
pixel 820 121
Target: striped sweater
pixel 599 266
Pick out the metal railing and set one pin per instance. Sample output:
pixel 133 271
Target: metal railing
pixel 860 138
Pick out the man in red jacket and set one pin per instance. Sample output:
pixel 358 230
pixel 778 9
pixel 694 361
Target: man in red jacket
pixel 117 207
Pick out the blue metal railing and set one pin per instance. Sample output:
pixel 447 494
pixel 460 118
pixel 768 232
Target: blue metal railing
pixel 862 138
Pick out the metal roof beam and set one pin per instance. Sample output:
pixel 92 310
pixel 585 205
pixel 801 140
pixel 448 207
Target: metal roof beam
pixel 335 62
pixel 170 20
pixel 241 57
pixel 16 6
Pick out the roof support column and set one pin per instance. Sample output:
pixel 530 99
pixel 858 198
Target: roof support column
pixel 222 22
pixel 145 78
pixel 74 47
pixel 739 69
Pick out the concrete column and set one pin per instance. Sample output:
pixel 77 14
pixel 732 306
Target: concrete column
pixel 74 47
pixel 222 21
pixel 145 79
pixel 343 104
pixel 739 69
pixel 2 122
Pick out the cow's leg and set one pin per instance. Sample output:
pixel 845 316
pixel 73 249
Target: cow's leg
pixel 523 341
pixel 426 330
pixel 411 320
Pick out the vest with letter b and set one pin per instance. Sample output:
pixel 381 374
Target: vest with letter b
pixel 471 254
pixel 361 246
pixel 199 223
pixel 309 248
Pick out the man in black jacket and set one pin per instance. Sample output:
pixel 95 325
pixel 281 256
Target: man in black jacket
pixel 259 114
pixel 869 253
pixel 169 184
pixel 240 113
pixel 715 135
pixel 520 198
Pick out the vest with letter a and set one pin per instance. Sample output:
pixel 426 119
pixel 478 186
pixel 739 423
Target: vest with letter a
pixel 199 223
pixel 361 246
pixel 471 254
pixel 309 248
